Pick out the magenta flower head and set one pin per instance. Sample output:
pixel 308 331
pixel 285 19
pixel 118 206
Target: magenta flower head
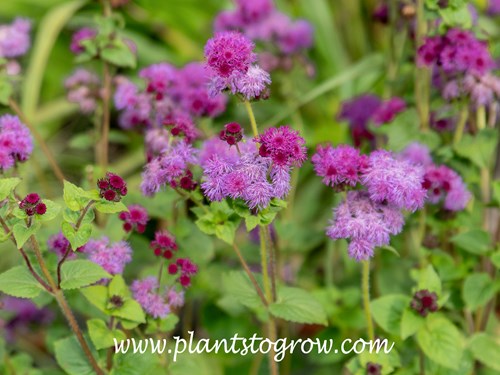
pixel 283 145
pixel 112 187
pixel 252 85
pixel 164 244
pixel 181 125
pixel 59 244
pixel 229 53
pixel 135 218
pixel 32 204
pixel 364 223
pixel 373 368
pixel 111 256
pixel 444 184
pixel 16 142
pixel 232 133
pixel 15 38
pixel 424 302
pixel 339 166
pixel 417 153
pixel 85 33
pixel 397 182
pixel 83 88
pixel 388 110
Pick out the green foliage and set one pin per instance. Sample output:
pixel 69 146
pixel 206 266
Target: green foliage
pixel 78 237
pixel 478 148
pixel 299 306
pixel 388 310
pixel 79 273
pixel 221 220
pixel 71 358
pixel 19 282
pixel 486 350
pixel 7 186
pixel 101 335
pixel 475 241
pixel 477 290
pixel 22 233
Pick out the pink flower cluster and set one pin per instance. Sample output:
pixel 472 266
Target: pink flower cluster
pixel 16 143
pixel 15 38
pixel 83 88
pixel 146 292
pixel 260 21
pixel 164 244
pixel 171 94
pixel 135 218
pixel 59 244
pixel 254 177
pixel 112 187
pixel 111 256
pixel 229 57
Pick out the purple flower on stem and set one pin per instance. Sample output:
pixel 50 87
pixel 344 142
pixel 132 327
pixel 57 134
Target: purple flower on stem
pixel 444 184
pixel 16 142
pixel 83 88
pixel 15 38
pixel 284 146
pixel 85 33
pixel 135 218
pixel 111 256
pixel 388 110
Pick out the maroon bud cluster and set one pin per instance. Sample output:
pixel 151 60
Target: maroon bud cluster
pixel 186 268
pixel 232 133
pixel 185 182
pixel 164 244
pixel 373 368
pixel 112 187
pixel 32 204
pixel 424 302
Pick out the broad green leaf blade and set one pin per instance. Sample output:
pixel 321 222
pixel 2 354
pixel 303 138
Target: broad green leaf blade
pixel 79 273
pixel 475 241
pixel 97 295
pixel 101 335
pixel 107 207
pixel 441 341
pixel 70 357
pixel 387 311
pixel 486 349
pixel 410 323
pixel 19 282
pixel 22 233
pixel 298 305
pixel 477 290
pixel 7 185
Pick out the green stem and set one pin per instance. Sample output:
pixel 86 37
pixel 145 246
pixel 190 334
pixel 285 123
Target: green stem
pixel 462 120
pixel 481 117
pixel 264 263
pixel 251 116
pixel 250 275
pixel 366 298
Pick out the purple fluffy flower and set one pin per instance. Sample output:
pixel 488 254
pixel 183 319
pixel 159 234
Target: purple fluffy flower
pixel 417 153
pixel 388 110
pixel 444 184
pixel 159 79
pixel 365 223
pixel 397 182
pixel 83 88
pixel 15 38
pixel 358 112
pixel 16 143
pixel 85 33
pixel 339 166
pixel 253 84
pixel 145 292
pixel 283 145
pixel 135 218
pixel 111 256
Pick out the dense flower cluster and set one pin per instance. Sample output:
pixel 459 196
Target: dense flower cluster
pixel 424 302
pixel 135 218
pixel 362 110
pixel 83 88
pixel 112 187
pixel 111 256
pixel 261 21
pixel 442 183
pixel 283 145
pixel 232 133
pixel 170 94
pixel 229 57
pixel 15 38
pixel 32 204
pixel 464 64
pixel 365 223
pixel 164 244
pixel 170 167
pixel 339 166
pixel 146 292
pixel 185 268
pixel 16 143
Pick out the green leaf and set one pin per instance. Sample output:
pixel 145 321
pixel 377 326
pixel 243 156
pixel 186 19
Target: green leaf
pixel 441 341
pixel 53 210
pixel 478 289
pixel 19 282
pixel 75 197
pixel 101 335
pixel 251 222
pixel 73 216
pixel 137 364
pixel 227 231
pixel 429 279
pixel 117 287
pixel 486 349
pixel 119 55
pixel 495 259
pixel 475 241
pixel 97 295
pixel 166 324
pixel 79 273
pixel 5 92
pixel 7 186
pixel 237 285
pixel 23 233
pixel 387 311
pixel 410 323
pixel 107 207
pixel 70 356
pixel 77 239
pixel 478 148
pixel 47 31
pixel 460 17
pixel 298 305
pixel 131 310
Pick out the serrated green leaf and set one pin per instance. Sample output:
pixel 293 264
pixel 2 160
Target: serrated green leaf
pixel 441 341
pixel 75 197
pixel 19 282
pixel 53 210
pixel 22 233
pixel 117 287
pixel 77 238
pixel 238 286
pixel 410 323
pixel 478 148
pixel 298 305
pixel 107 207
pixel 7 186
pixel 97 295
pixel 251 222
pixel 131 310
pixel 429 279
pixel 475 241
pixel 102 336
pixel 387 311
pixel 79 273
pixel 486 349
pixel 70 356
pixel 478 289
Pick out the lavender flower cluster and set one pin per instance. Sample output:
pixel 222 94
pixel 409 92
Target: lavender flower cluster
pixel 16 142
pixel 15 42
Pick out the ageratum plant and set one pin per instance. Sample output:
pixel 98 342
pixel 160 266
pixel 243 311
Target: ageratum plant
pixel 208 170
